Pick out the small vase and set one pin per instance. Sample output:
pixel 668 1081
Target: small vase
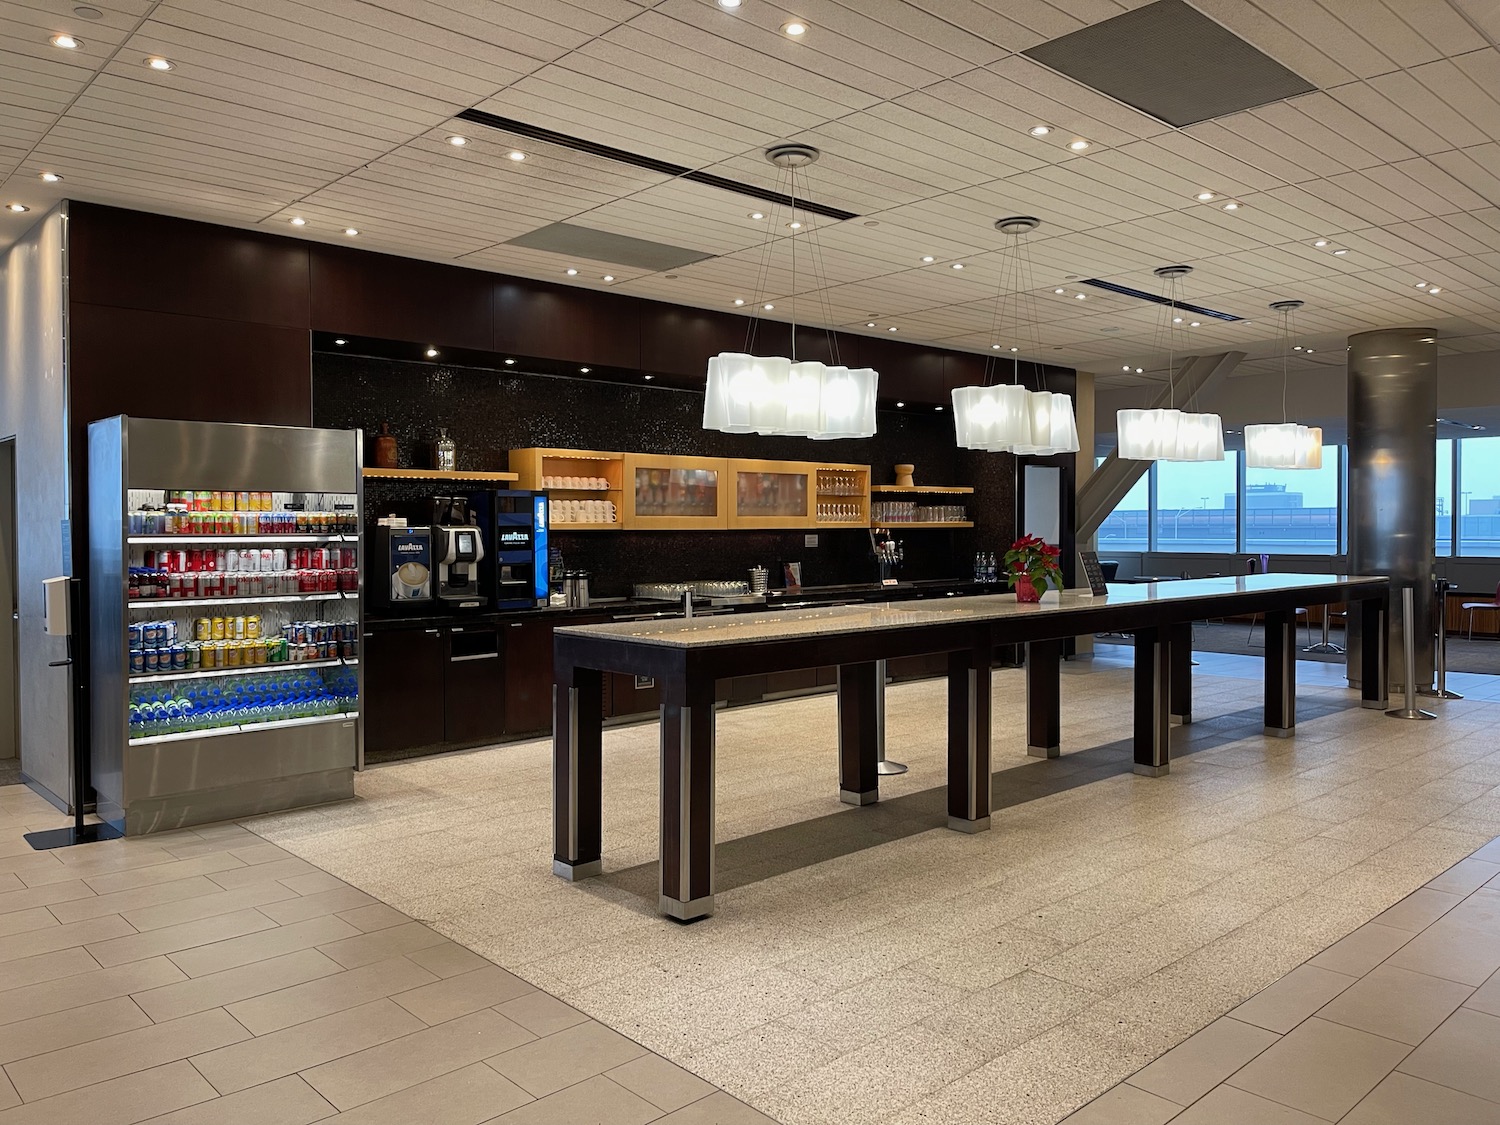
pixel 1025 591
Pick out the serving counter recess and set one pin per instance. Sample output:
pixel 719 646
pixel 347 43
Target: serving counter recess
pixel 445 682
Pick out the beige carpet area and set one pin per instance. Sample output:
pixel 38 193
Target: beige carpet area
pixel 870 965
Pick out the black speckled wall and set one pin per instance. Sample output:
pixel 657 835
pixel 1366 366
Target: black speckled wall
pixel 490 412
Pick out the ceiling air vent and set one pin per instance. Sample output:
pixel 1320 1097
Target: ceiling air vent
pixel 1173 62
pixel 575 241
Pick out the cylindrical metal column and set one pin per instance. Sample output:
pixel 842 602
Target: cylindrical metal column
pixel 1392 481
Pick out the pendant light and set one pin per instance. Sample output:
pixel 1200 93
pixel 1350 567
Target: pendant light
pixel 1170 434
pixel 1284 445
pixel 1007 417
pixel 778 395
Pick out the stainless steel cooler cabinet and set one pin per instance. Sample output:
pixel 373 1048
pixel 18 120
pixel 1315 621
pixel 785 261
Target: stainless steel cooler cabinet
pixel 232 739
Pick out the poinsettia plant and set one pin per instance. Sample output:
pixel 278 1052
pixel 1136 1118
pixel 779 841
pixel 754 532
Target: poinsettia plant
pixel 1032 557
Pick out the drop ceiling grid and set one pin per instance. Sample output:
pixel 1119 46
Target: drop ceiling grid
pixel 376 200
pixel 543 31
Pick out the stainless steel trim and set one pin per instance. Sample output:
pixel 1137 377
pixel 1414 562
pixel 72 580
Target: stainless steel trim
pixel 849 797
pixel 573 872
pixel 958 824
pixel 688 910
pixel 572 773
pixel 685 800
pixel 1153 771
pixel 476 656
pixel 432 632
pixel 1044 751
pixel 973 741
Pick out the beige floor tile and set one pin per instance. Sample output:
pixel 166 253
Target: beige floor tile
pixel 1363 949
pixel 174 938
pixel 244 875
pixel 8 1095
pixel 1460 1054
pixel 1293 998
pixel 316 883
pixel 115 1056
pixel 595 1101
pixel 537 1012
pixel 185 995
pixel 1125 1105
pixel 45 967
pixel 1396 1004
pixel 119 1101
pixel 161 873
pixel 20 921
pixel 1485 999
pixel 1465 876
pixel 448 999
pixel 1321 1068
pixel 376 916
pixel 448 959
pixel 301 907
pixel 285 1101
pixel 31 943
pixel 1463 945
pixel 40 1034
pixel 254 854
pixel 324 995
pixel 1403 1100
pixel 995 1019
pixel 465 1096
pixel 572 1055
pixel 260 946
pixel 1188 1071
pixel 304 1046
pixel 92 906
pixel 52 996
pixel 663 1084
pixel 207 906
pixel 1418 910
pixel 716 1109
pixel 363 949
pixel 21 897
pixel 1226 1105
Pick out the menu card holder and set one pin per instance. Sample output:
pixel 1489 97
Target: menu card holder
pixel 1094 573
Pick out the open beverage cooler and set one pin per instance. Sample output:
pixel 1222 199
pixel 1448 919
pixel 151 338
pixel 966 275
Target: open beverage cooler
pixel 225 615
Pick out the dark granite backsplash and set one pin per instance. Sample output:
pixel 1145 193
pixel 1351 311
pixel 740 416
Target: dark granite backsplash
pixel 489 412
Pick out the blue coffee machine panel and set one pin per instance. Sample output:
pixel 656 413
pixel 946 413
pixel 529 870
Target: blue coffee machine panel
pixel 519 519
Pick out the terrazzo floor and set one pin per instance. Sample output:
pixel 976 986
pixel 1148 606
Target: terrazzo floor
pixel 868 964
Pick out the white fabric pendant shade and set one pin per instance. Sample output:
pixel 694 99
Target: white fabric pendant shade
pixel 748 394
pixel 1011 419
pixel 1169 435
pixel 1283 445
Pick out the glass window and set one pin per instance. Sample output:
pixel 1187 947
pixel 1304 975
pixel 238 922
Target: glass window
pixel 1293 512
pixel 1195 504
pixel 1479 496
pixel 1127 528
pixel 1445 497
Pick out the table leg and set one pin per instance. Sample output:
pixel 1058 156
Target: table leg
pixel 577 772
pixel 1044 699
pixel 687 800
pixel 859 730
pixel 1374 651
pixel 1153 702
pixel 1181 637
pixel 969 739
pixel 1281 673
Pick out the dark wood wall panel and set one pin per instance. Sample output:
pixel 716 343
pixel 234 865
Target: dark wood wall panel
pixel 365 294
pixel 534 318
pixel 133 260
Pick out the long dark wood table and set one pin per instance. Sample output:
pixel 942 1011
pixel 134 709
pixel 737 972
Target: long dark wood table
pixel 687 656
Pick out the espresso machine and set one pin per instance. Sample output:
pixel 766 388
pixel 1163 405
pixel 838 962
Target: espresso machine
pixel 457 548
pixel 516 575
pixel 401 579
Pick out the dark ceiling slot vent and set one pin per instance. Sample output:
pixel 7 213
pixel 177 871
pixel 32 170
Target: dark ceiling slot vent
pixel 636 160
pixel 1158 299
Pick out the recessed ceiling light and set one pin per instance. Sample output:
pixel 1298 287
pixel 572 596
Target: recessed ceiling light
pixel 1308 350
pixel 1080 296
pixel 571 272
pixel 66 42
pixel 892 328
pixel 51 178
pixel 1059 291
pixel 457 141
pixel 17 207
pixel 351 231
pixel 958 265
pixel 794 28
pixel 995 347
pixel 1125 368
pixel 1194 323
pixel 1434 289
pixel 869 324
pixel 1231 206
pixel 757 214
pixel 156 62
pixel 1040 130
pixel 928 258
pixel 1177 320
pixel 84 12
pixel 1296 347
pixel 431 353
pixel 768 306
pixel 738 301
pixel 509 362
pixel 1138 371
pixel 1015 349
pixel 1205 196
pixel 1421 285
pixel 341 342
pixel 649 378
pixel 1341 252
pixel 899 405
pixel 1078 145
pixel 939 409
pixel 1322 242
pixel 516 154
pixel 729 3
pixel 609 277
pixel 298 221
pixel 585 370
pixel 794 226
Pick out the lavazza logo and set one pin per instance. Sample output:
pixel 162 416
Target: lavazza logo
pixel 409 548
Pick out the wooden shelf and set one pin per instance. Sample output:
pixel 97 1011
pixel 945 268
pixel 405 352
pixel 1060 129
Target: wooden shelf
pixel 934 490
pixel 437 474
pixel 893 526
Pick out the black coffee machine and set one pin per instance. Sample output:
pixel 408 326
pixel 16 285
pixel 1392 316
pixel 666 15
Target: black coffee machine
pixel 457 548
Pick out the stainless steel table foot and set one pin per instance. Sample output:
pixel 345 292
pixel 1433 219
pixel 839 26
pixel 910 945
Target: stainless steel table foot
pixel 1184 720
pixel 689 911
pixel 959 824
pixel 1278 732
pixel 1044 751
pixel 1375 704
pixel 1152 771
pixel 887 768
pixel 851 798
pixel 573 872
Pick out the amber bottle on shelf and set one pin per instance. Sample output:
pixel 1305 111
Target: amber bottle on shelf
pixel 385 447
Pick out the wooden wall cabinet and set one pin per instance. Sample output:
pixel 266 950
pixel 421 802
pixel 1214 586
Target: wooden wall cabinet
pixel 664 493
pixel 771 494
pixel 842 496
pixel 586 487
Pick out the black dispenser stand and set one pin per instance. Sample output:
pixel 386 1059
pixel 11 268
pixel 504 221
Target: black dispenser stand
pixel 78 683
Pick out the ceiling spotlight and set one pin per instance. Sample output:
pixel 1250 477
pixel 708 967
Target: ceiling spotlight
pixel 350 231
pixel 869 324
pixel 1125 368
pixel 1194 323
pixel 928 258
pixel 585 370
pixel 458 142
pixel 571 272
pixel 1231 206
pixel 431 353
pixel 794 28
pixel 1297 347
pixel 1421 285
pixel 729 3
pixel 768 306
pixel 1138 371
pixel 1015 349
pixel 156 62
pixel 1040 130
pixel 51 178
pixel 892 328
pixel 958 265
pixel 609 277
pixel 1322 242
pixel 1078 146
pixel 995 347
pixel 66 42
pixel 18 208
pixel 794 226
pixel 899 405
pixel 509 362
pixel 757 214
pixel 1434 289
pixel 1205 196
pixel 1177 320
pixel 738 301
pixel 1308 350
pixel 939 409
pixel 1341 252
pixel 648 378
pixel 298 221
pixel 1080 296
pixel 517 155
pixel 341 342
pixel 1059 291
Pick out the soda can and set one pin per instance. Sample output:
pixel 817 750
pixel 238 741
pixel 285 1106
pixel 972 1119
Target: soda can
pixel 137 635
pixel 231 654
pixel 151 660
pixel 194 656
pixel 252 625
pixel 179 658
pixel 150 634
pixel 234 628
pixel 208 654
pixel 137 661
pixel 278 558
pixel 203 629
pixel 220 628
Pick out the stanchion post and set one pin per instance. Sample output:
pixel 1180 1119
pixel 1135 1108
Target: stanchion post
pixel 883 766
pixel 1409 652
pixel 1441 587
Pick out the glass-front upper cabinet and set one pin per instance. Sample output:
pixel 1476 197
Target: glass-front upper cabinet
pixel 666 493
pixel 771 494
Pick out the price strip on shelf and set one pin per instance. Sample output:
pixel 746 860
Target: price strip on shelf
pixel 1094 573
